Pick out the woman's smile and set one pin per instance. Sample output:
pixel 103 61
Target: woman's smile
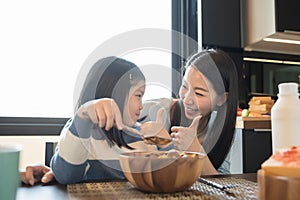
pixel 191 111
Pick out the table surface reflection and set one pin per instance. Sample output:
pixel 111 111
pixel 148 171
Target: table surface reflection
pixel 60 192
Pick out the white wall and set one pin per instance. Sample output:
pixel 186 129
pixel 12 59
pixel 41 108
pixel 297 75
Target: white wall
pixel 33 147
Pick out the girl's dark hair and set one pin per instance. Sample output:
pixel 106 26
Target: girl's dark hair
pixel 110 77
pixel 220 70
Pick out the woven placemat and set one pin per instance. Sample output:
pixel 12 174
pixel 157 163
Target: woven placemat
pixel 124 190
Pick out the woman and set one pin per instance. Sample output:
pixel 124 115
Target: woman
pixel 209 88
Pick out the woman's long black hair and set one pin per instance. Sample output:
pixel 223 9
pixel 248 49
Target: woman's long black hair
pixel 220 70
pixel 110 77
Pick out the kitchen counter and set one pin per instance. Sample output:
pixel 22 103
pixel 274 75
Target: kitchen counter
pixel 253 122
pixel 252 144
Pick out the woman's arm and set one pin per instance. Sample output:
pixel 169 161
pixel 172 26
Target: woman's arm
pixel 208 168
pixel 185 138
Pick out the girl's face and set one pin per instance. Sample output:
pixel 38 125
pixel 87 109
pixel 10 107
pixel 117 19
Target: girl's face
pixel 133 104
pixel 197 94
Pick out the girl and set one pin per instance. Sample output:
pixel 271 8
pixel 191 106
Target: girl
pixel 89 148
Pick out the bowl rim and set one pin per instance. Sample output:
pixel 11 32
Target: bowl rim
pixel 143 153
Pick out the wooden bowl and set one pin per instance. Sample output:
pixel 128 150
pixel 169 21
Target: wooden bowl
pixel 162 171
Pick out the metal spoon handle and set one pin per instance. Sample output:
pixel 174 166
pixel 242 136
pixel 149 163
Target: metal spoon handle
pixel 229 189
pixel 154 139
pixel 211 183
pixel 132 130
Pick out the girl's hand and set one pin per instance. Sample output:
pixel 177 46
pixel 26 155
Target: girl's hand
pixel 155 128
pixel 37 173
pixel 185 138
pixel 104 112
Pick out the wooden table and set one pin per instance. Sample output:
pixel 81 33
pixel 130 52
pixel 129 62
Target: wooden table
pixel 60 192
pixel 40 191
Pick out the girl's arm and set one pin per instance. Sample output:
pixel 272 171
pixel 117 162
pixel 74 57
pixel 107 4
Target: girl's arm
pixel 104 112
pixel 36 173
pixel 67 168
pixel 69 162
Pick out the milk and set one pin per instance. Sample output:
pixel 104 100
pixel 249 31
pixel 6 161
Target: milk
pixel 285 117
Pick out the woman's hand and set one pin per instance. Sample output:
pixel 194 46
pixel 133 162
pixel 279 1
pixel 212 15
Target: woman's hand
pixel 185 138
pixel 104 112
pixel 37 173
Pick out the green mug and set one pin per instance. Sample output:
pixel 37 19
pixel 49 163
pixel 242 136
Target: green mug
pixel 9 171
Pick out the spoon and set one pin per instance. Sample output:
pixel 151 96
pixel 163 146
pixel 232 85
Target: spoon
pixel 229 189
pixel 153 139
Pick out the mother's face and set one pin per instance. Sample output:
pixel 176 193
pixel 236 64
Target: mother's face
pixel 197 94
